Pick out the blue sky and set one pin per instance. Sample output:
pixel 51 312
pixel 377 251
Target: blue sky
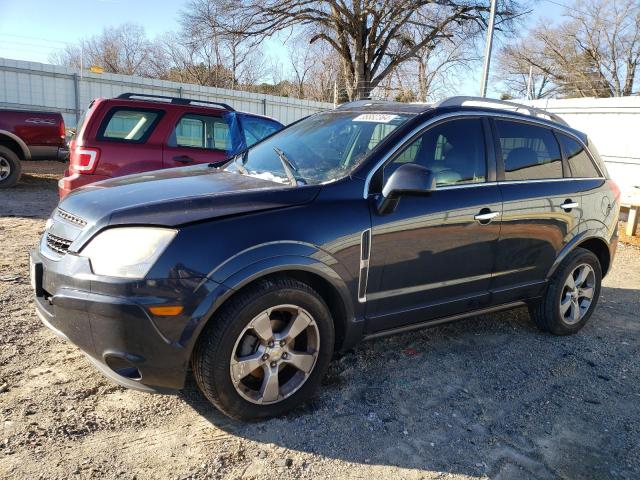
pixel 33 29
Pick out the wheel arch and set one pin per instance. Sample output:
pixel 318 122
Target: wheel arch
pixel 319 276
pixel 589 241
pixel 600 249
pixel 15 144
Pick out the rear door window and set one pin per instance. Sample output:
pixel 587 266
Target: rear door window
pixel 128 125
pixel 201 131
pixel 578 160
pixel 256 128
pixel 529 152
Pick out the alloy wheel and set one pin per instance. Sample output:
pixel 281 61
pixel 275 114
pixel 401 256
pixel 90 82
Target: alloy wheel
pixel 577 293
pixel 275 354
pixel 5 168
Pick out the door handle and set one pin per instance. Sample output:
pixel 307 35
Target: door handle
pixel 485 216
pixel 183 159
pixel 568 205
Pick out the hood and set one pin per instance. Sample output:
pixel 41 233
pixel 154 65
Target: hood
pixel 178 196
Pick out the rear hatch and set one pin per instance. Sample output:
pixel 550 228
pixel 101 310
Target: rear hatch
pixel 83 159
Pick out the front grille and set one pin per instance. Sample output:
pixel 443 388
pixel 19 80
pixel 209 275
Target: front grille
pixel 58 244
pixel 70 217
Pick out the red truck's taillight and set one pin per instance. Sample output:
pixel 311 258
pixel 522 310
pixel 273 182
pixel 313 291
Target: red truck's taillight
pixel 83 159
pixel 63 132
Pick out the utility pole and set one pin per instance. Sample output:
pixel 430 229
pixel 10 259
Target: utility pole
pixel 530 84
pixel 487 50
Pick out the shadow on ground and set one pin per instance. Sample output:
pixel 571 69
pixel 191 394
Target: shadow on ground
pixel 485 396
pixel 33 197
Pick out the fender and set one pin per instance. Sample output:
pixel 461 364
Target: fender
pixel 23 146
pixel 289 263
pixel 354 320
pixel 580 237
pixel 283 248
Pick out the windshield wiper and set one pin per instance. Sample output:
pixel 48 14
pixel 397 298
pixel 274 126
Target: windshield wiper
pixel 288 166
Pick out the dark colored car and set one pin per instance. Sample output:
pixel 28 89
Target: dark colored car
pixel 29 135
pixel 137 133
pixel 364 221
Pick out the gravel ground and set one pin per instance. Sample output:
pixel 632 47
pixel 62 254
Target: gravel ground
pixel 489 397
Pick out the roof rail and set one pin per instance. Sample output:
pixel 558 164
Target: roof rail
pixel 176 100
pixel 502 104
pixel 359 102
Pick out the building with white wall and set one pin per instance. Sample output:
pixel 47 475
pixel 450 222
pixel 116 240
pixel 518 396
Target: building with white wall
pixel 614 126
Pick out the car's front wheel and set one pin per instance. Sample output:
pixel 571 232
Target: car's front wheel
pixel 266 351
pixel 571 296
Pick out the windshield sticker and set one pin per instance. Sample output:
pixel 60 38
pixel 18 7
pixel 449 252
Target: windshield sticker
pixel 375 117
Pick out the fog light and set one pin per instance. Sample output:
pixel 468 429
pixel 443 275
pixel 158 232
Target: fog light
pixel 123 367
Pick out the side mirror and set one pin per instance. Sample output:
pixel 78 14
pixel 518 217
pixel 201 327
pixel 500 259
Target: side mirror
pixel 408 179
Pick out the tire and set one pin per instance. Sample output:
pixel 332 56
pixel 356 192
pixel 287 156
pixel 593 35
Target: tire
pixel 10 168
pixel 231 337
pixel 562 310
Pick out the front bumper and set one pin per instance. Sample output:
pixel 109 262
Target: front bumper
pixel 110 321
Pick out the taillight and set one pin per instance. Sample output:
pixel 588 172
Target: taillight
pixel 63 132
pixel 83 159
pixel 615 189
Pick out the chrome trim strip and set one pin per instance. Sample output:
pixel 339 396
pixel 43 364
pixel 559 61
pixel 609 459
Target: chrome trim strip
pixel 363 279
pixel 446 283
pixel 479 113
pixel 466 185
pixel 545 180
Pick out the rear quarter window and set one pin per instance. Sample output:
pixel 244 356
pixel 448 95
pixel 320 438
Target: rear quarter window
pixel 578 160
pixel 128 124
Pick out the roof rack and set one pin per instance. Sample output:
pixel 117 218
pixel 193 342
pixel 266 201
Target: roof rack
pixel 176 100
pixel 502 104
pixel 361 102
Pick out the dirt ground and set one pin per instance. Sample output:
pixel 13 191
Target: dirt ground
pixel 488 397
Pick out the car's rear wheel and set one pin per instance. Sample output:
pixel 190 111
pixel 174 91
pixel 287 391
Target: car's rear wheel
pixel 10 168
pixel 266 350
pixel 571 296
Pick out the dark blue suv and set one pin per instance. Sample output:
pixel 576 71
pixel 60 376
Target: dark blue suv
pixel 364 221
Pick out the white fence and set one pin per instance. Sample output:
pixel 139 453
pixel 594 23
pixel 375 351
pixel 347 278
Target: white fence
pixel 614 126
pixel 38 86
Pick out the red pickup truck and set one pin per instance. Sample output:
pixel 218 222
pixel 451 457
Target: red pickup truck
pixel 28 135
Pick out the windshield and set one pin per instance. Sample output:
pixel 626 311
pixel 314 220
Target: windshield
pixel 319 149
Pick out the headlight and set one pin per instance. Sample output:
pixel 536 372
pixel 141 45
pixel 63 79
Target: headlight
pixel 127 252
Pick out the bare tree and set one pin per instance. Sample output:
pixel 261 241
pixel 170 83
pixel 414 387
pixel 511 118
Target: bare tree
pixel 124 49
pixel 235 50
pixel 514 64
pixel 369 36
pixel 595 52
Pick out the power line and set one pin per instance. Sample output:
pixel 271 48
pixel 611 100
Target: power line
pixel 568 7
pixel 35 45
pixel 48 40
